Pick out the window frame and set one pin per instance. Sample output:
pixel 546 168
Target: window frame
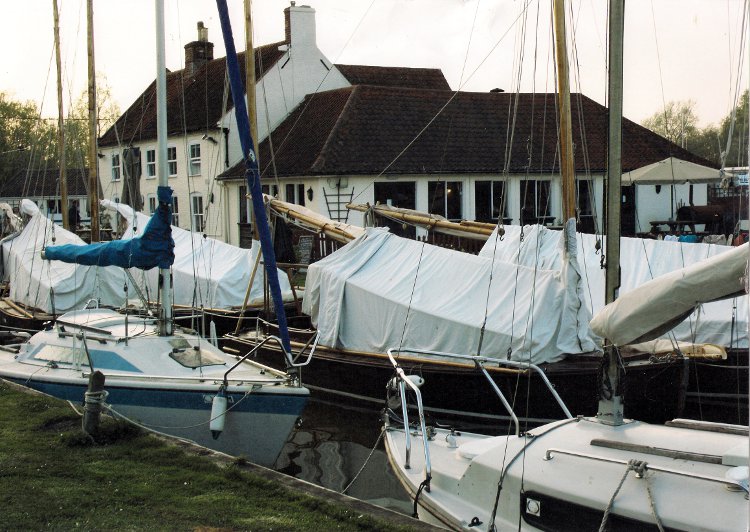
pixel 194 162
pixel 150 164
pixel 116 167
pixel 197 215
pixel 172 161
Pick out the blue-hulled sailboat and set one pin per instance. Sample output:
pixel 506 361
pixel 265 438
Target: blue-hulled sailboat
pixel 157 374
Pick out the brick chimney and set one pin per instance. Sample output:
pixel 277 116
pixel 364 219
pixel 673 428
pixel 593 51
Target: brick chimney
pixel 299 25
pixel 198 53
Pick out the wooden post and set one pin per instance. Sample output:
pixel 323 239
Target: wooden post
pixel 93 403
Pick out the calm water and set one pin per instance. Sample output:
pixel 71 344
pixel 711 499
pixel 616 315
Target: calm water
pixel 331 446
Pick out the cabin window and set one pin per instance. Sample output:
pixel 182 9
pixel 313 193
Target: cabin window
pixel 175 211
pixel 151 204
pixel 535 202
pixel 196 212
pixel 150 164
pixel 115 167
pixel 490 201
pixel 445 199
pixel 194 167
pixel 172 161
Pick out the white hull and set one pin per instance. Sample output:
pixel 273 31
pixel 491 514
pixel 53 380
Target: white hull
pixel 564 477
pixel 147 385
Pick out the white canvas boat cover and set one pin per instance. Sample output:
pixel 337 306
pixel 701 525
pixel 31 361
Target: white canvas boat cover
pixel 382 291
pixel 34 280
pixel 206 272
pixel 719 322
pixel 653 308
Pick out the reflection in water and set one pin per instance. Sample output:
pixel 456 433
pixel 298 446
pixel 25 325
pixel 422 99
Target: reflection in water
pixel 332 445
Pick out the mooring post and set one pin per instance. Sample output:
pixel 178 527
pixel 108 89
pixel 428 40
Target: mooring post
pixel 93 400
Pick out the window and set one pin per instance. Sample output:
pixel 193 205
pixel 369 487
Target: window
pixel 150 164
pixel 445 198
pixel 295 194
pixel 151 204
pixel 194 167
pixel 273 191
pixel 584 204
pixel 489 201
pixel 175 211
pixel 196 212
pixel 535 207
pixel 172 161
pixel 244 206
pixel 115 167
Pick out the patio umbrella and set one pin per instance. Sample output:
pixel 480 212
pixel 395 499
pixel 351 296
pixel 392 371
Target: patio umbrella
pixel 671 171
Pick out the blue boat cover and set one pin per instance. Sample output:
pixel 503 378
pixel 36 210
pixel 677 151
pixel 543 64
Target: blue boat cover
pixel 155 247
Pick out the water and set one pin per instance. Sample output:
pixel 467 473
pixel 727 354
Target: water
pixel 333 444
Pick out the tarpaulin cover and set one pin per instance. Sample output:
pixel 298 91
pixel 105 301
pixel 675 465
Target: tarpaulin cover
pixel 32 279
pixel 153 248
pixel 360 296
pixel 719 322
pixel 206 272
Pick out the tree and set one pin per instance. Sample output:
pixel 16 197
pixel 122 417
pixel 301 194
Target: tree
pixel 26 140
pixel 736 125
pixel 677 122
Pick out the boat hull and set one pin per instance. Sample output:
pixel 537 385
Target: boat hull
pixel 459 394
pixel 256 425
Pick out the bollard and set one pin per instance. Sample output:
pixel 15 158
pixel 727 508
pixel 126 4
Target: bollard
pixel 94 398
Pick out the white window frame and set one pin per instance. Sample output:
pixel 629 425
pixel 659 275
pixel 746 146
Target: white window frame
pixel 172 161
pixel 194 162
pixel 116 167
pixel 197 219
pixel 150 164
pixel 152 203
pixel 175 212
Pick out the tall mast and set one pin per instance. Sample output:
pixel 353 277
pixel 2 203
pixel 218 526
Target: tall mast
pixel 93 163
pixel 60 121
pixel 567 167
pixel 252 113
pixel 611 408
pixel 165 275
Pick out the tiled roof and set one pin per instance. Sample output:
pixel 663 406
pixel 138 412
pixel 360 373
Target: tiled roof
pixel 194 103
pixel 44 183
pixel 416 78
pixel 362 130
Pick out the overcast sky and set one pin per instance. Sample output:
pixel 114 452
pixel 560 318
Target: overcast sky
pixel 674 49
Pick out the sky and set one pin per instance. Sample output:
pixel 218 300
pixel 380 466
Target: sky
pixel 675 50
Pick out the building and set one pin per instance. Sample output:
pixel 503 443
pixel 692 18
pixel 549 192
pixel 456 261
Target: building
pixel 348 133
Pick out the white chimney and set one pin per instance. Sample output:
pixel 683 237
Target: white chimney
pixel 300 25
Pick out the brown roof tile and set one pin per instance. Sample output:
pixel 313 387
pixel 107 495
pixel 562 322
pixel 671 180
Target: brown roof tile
pixel 363 130
pixel 194 103
pixel 44 183
pixel 416 78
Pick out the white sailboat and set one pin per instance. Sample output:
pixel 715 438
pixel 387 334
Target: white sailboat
pixel 156 374
pixel 579 473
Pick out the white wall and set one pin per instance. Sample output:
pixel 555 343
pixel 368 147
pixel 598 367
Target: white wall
pixel 656 206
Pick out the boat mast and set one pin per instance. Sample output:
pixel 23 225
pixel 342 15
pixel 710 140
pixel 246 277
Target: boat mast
pixel 165 274
pixel 567 166
pixel 93 162
pixel 60 121
pixel 252 112
pixel 611 404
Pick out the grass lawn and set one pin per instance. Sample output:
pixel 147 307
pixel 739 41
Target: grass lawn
pixel 52 476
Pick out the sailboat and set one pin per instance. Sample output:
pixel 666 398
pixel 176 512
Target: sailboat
pixel 156 374
pixel 579 473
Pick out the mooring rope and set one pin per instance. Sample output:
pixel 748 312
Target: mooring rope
pixel 367 460
pixel 640 467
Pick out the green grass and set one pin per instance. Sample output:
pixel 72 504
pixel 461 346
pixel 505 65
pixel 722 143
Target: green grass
pixel 54 477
